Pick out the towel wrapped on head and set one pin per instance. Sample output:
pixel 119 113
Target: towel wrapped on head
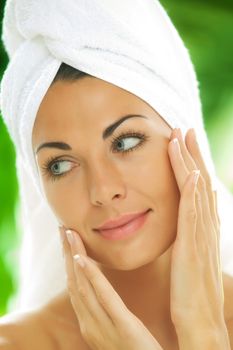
pixel 131 44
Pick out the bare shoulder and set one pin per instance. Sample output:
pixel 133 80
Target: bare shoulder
pixel 60 318
pixel 52 327
pixel 19 330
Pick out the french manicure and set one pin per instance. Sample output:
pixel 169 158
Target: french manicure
pixel 70 236
pixel 79 260
pixel 175 142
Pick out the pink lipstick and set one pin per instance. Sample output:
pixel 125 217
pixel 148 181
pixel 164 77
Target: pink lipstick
pixel 125 230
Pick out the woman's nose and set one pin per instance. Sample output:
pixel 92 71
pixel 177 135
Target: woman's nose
pixel 105 184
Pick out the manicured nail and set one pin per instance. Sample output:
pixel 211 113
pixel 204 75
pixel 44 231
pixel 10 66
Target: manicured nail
pixel 70 236
pixel 175 142
pixel 79 260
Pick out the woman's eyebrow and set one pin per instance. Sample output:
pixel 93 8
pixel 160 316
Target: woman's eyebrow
pixel 106 133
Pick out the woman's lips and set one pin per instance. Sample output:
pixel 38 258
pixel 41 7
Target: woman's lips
pixel 120 221
pixel 125 230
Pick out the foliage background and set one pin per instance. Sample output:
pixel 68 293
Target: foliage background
pixel 207 29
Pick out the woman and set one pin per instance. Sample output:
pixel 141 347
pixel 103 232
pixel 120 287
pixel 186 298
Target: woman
pixel 155 283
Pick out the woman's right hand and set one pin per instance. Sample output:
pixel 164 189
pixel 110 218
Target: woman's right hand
pixel 105 321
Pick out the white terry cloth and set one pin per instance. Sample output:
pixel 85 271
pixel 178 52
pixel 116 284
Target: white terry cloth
pixel 131 44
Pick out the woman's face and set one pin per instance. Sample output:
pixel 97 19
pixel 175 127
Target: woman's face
pixel 93 178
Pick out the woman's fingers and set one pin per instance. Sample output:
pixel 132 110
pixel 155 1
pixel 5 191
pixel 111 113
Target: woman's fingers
pixel 105 293
pixel 70 273
pixel 195 259
pixel 188 235
pixel 178 164
pixel 92 293
pixel 75 240
pixel 195 151
pixel 194 160
pixel 182 160
pixel 208 198
pixel 80 288
pixel 188 159
pixel 104 320
pixel 76 289
pixel 188 215
pixel 190 165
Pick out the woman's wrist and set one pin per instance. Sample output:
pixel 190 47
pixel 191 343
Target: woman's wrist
pixel 203 338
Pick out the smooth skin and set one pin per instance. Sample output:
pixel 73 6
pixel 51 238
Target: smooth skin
pixel 140 272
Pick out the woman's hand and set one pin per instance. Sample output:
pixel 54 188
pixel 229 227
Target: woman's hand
pixel 104 320
pixel 197 297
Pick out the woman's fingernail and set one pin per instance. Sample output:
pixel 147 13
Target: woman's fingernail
pixel 79 260
pixel 175 143
pixel 70 236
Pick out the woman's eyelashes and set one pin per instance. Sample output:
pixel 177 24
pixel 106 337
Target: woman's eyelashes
pixel 117 143
pixel 53 166
pixel 123 143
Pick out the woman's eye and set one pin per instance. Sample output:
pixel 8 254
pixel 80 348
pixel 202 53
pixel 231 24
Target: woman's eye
pixel 56 168
pixel 128 141
pixel 60 167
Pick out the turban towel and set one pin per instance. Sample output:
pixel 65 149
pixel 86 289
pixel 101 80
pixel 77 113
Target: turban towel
pixel 131 44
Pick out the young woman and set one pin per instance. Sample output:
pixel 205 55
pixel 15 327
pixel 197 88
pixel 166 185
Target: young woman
pixel 139 226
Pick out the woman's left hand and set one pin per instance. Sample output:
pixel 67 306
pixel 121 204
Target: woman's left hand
pixel 105 321
pixel 197 296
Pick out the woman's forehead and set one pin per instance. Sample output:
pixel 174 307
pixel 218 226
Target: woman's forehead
pixel 85 102
pixel 90 101
pixel 89 90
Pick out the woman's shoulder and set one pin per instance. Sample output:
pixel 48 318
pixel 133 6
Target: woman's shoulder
pixel 63 323
pixel 53 326
pixel 21 330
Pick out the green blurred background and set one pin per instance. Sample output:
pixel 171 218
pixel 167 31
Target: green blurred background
pixel 207 30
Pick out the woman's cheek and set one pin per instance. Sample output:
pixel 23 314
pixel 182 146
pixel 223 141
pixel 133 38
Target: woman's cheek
pixel 58 201
pixel 158 181
pixel 169 199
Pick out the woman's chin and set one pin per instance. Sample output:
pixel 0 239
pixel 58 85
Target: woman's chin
pixel 125 263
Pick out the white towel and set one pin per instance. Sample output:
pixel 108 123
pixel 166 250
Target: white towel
pixel 132 44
